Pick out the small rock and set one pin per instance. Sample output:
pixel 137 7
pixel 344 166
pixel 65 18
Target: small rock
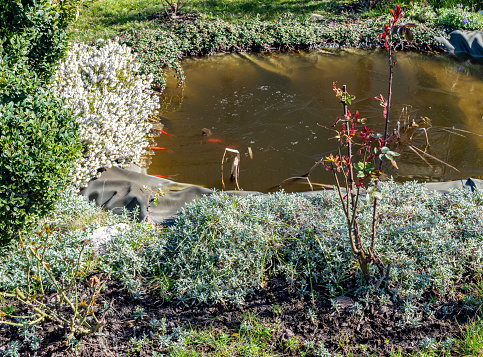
pixel 289 333
pixel 382 310
pixel 345 303
pixel 206 132
pixel 103 235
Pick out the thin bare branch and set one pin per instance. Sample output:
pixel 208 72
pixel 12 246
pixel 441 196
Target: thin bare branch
pixel 422 158
pixel 433 157
pixel 463 131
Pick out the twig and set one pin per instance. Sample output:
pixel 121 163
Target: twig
pixel 433 157
pixel 422 158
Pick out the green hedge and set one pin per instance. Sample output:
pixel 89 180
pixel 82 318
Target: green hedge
pixel 35 31
pixel 38 147
pixel 38 136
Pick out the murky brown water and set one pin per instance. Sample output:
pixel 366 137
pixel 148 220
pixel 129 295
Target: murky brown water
pixel 273 104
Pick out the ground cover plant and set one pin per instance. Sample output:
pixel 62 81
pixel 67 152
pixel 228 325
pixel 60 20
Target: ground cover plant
pixel 159 49
pixel 286 254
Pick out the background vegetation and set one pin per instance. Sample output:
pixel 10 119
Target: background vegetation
pixel 107 18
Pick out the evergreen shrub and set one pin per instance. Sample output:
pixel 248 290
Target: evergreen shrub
pixel 38 136
pixel 38 146
pixel 34 31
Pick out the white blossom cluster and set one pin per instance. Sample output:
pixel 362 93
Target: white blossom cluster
pixel 112 102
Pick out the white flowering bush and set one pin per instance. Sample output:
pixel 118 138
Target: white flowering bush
pixel 112 101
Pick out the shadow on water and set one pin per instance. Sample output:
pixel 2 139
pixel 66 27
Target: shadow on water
pixel 273 103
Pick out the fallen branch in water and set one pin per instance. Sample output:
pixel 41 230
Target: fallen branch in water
pixel 235 167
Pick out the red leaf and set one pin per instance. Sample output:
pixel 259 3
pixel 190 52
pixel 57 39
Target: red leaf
pixel 392 13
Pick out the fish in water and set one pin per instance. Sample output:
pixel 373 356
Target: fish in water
pixel 218 141
pixel 162 131
pixel 158 148
pixel 162 176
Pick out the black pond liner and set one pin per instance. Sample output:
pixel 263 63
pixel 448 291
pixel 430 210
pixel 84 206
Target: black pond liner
pixel 124 189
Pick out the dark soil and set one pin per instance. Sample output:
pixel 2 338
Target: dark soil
pixel 375 331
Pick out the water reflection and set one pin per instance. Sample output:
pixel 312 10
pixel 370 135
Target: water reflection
pixel 273 104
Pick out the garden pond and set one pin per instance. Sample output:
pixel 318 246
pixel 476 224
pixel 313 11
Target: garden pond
pixel 280 106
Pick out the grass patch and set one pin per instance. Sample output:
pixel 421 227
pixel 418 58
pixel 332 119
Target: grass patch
pixel 234 10
pixel 251 338
pixel 107 18
pixel 471 343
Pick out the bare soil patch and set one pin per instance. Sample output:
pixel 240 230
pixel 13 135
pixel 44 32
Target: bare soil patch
pixel 375 331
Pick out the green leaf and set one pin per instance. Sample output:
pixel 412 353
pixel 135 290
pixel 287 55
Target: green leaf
pixel 359 166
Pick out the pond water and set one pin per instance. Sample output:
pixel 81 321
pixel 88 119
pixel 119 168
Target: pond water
pixel 274 103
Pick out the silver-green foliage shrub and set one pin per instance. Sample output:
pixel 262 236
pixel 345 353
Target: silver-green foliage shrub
pixel 319 254
pixel 111 101
pixel 62 247
pixel 432 241
pixel 222 248
pixel 124 256
pixel 63 244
